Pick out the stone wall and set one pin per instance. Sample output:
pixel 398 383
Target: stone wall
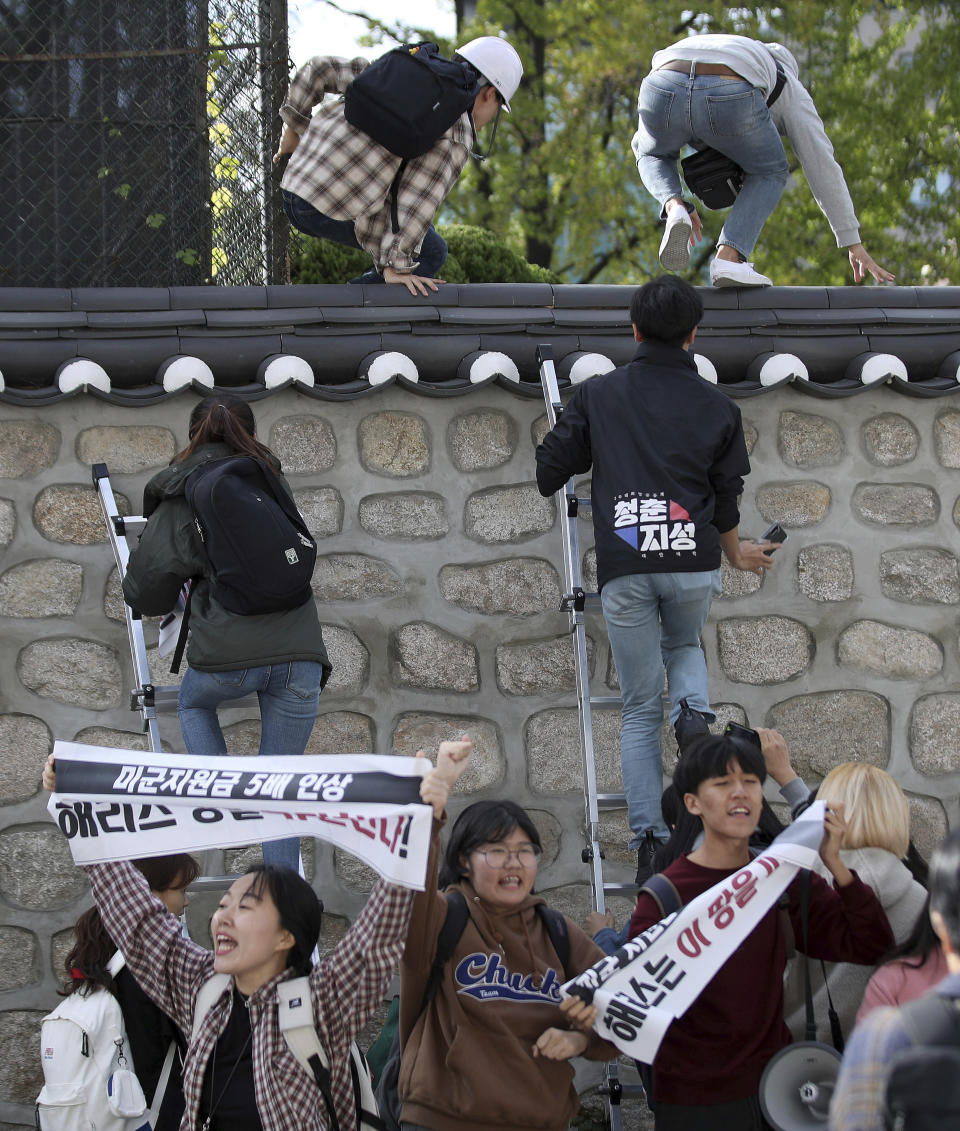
pixel 437 583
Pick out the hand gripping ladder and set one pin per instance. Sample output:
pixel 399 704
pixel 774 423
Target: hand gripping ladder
pixel 575 602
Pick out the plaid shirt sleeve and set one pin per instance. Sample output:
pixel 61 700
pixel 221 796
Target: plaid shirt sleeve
pixel 424 186
pixel 350 983
pixel 858 1099
pixel 324 74
pixel 168 967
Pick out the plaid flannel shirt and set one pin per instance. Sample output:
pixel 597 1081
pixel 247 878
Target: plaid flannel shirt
pixel 346 987
pixel 346 175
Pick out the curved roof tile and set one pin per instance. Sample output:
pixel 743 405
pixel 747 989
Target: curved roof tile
pixel 461 338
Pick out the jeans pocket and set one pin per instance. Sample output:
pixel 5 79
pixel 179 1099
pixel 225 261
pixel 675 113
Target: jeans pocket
pixel 654 107
pixel 733 115
pixel 303 678
pixel 229 680
pixel 693 588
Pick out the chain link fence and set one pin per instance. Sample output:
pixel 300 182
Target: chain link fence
pixel 136 139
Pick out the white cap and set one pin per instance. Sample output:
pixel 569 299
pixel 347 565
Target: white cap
pixel 497 61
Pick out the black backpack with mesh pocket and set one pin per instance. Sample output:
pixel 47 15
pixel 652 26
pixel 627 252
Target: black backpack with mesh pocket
pixel 260 552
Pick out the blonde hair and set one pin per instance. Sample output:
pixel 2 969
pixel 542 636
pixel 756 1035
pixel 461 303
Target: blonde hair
pixel 875 808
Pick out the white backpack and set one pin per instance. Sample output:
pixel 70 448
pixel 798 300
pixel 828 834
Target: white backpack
pixel 297 1027
pixel 87 1068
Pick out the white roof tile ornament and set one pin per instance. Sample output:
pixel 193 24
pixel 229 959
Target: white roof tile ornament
pixel 82 373
pixel 706 368
pixel 282 368
pixel 181 370
pixel 380 367
pixel 580 367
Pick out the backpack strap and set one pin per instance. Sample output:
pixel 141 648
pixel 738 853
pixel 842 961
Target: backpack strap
pixel 296 1025
pixel 211 991
pixel 556 927
pixel 394 198
pixel 368 1113
pixel 664 894
pixel 778 85
pixel 184 626
pixel 453 927
pixel 299 1031
pixel 161 1089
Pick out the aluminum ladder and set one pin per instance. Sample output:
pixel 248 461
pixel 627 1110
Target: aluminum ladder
pixel 576 603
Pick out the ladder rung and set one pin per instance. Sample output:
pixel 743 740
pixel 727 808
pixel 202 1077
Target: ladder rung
pixel 606 702
pixel 617 887
pixel 213 883
pixel 611 800
pixel 134 524
pixel 165 700
pixel 626 1089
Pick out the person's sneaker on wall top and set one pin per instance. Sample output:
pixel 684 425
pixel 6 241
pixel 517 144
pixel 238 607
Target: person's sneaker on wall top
pixel 727 273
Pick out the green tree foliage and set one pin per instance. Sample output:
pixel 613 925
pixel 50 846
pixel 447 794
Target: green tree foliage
pixel 474 256
pixel 562 186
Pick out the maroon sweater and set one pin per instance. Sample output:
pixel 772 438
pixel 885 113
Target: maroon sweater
pixel 717 1051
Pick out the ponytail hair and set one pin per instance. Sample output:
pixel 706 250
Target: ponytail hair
pixel 225 418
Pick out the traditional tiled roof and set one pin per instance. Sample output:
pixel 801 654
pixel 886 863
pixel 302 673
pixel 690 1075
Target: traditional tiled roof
pixel 132 346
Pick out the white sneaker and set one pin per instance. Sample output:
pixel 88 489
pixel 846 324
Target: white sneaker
pixel 675 245
pixel 726 273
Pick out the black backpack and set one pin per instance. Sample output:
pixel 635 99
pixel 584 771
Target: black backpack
pixel 923 1088
pixel 260 552
pixel 388 1096
pixel 407 99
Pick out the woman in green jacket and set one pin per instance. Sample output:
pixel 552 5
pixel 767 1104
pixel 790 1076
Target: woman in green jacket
pixel 278 655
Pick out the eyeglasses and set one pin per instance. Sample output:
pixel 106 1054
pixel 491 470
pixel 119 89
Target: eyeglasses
pixel 499 856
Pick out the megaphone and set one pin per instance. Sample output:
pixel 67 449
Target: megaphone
pixel 797 1084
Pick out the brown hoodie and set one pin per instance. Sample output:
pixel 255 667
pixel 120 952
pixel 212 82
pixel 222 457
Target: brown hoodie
pixel 468 1061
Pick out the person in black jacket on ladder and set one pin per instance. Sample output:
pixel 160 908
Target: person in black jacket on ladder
pixel 668 458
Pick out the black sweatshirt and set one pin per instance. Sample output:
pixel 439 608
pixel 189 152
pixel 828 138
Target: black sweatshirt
pixel 668 459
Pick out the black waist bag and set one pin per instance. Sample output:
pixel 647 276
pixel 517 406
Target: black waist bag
pixel 260 551
pixel 407 99
pixel 714 177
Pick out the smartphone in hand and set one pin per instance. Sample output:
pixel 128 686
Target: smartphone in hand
pixel 773 533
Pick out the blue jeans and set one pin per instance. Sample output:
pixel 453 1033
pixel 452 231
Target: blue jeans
pixel 433 250
pixel 289 695
pixel 654 621
pixel 732 116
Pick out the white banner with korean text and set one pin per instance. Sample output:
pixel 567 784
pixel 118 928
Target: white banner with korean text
pixel 125 804
pixel 656 977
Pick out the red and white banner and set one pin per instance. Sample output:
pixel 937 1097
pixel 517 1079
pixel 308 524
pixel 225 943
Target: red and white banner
pixel 124 804
pixel 658 975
